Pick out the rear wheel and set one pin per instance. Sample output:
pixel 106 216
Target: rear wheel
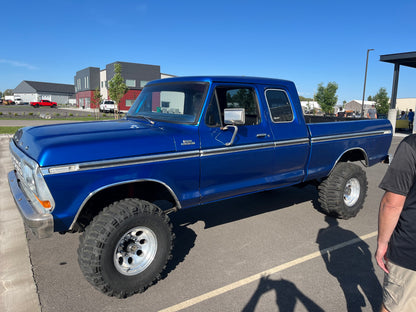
pixel 343 193
pixel 126 247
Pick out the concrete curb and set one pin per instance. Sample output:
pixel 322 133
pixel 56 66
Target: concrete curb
pixel 17 287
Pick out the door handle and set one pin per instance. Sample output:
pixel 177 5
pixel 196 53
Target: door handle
pixel 261 135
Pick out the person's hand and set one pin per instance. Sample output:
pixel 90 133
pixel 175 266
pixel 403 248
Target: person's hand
pixel 381 257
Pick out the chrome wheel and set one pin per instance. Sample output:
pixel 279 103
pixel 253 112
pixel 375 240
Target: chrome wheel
pixel 135 251
pixel 351 192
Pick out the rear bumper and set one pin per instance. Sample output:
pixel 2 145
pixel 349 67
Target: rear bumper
pixel 41 224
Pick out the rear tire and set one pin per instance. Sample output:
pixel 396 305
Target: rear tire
pixel 343 193
pixel 126 247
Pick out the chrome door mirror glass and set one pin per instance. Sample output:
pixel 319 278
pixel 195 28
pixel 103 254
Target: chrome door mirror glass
pixel 234 116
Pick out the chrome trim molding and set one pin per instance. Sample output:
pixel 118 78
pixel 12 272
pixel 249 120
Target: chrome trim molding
pixel 234 149
pixel 200 153
pixel 167 157
pixel 349 136
pixel 118 162
pixel 292 142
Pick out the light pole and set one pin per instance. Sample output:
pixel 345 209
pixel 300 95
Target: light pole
pixel 365 81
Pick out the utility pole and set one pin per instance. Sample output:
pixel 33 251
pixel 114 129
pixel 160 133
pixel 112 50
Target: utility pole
pixel 365 81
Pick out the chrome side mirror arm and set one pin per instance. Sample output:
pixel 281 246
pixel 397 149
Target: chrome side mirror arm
pixel 234 134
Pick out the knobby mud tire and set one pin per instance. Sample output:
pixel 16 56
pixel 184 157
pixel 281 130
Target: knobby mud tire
pixel 108 231
pixel 343 193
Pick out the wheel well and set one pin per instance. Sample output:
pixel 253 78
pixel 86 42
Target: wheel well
pixel 150 191
pixel 354 155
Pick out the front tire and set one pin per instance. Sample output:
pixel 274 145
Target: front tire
pixel 126 247
pixel 343 193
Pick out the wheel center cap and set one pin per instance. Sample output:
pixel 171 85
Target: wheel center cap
pixel 132 248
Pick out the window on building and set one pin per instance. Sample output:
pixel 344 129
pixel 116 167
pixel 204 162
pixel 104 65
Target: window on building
pixel 131 83
pixel 129 103
pixel 143 83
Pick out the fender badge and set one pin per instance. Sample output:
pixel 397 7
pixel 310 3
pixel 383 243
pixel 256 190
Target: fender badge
pixel 134 127
pixel 187 142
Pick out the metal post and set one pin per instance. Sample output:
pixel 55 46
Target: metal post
pixel 365 81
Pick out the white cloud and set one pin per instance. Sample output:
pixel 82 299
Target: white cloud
pixel 18 64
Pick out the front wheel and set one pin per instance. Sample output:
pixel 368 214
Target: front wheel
pixel 343 193
pixel 126 247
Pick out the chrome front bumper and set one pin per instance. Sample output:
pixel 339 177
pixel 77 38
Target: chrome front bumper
pixel 41 224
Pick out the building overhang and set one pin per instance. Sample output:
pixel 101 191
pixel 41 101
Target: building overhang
pixel 405 59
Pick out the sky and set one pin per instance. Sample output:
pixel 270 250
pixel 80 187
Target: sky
pixel 308 42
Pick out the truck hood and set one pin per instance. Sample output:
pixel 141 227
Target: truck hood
pixel 90 141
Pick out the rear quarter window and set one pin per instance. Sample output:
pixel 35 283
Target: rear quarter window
pixel 279 105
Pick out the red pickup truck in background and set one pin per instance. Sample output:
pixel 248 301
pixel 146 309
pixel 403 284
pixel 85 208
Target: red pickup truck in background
pixel 43 103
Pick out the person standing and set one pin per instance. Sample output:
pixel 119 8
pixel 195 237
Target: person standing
pixel 372 112
pixel 396 241
pixel 411 116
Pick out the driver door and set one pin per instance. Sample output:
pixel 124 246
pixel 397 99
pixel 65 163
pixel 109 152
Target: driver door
pixel 245 165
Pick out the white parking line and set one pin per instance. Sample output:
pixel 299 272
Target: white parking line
pixel 255 277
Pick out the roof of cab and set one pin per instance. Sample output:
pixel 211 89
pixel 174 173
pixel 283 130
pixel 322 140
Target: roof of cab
pixel 226 79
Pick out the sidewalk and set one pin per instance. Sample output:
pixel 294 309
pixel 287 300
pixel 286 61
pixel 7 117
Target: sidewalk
pixel 17 289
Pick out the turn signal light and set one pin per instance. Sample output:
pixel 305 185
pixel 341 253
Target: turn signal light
pixel 45 203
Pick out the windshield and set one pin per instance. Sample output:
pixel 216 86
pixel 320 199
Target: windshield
pixel 170 102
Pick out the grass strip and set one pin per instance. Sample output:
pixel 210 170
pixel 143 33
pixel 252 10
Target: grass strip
pixel 9 130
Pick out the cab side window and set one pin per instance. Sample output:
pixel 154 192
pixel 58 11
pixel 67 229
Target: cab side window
pixel 233 97
pixel 279 105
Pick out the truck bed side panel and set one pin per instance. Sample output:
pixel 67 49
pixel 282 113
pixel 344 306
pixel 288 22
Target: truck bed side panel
pixel 331 140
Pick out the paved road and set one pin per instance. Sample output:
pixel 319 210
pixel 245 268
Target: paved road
pixel 264 252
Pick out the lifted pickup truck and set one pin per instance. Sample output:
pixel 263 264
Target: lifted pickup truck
pixel 43 103
pixel 185 142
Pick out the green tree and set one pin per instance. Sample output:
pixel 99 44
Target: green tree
pixel 327 97
pixel 302 98
pixel 117 88
pixel 96 100
pixel 382 102
pixel 1 94
pixel 8 92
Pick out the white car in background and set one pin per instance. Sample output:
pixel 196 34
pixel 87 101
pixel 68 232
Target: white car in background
pixel 107 106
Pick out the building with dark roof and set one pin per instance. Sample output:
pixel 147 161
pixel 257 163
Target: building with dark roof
pixel 135 77
pixel 32 91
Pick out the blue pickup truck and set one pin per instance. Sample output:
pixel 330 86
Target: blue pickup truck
pixel 185 142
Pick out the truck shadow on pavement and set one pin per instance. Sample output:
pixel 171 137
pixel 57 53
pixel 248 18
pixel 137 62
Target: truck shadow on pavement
pixel 227 211
pixel 243 207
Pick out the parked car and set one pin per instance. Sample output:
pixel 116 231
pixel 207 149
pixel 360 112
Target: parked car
pixel 107 106
pixel 44 103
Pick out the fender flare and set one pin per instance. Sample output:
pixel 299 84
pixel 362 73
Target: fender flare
pixel 92 194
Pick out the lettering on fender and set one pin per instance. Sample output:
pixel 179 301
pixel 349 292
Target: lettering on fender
pixel 187 142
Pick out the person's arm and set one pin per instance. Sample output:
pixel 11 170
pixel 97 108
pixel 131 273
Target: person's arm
pixel 390 208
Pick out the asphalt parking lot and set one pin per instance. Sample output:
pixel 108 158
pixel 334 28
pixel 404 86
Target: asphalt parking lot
pixel 270 251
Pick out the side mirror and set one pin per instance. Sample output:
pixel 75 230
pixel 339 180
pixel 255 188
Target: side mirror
pixel 234 116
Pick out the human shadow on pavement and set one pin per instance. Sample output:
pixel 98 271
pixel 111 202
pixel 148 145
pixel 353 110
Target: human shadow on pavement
pixel 351 265
pixel 287 296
